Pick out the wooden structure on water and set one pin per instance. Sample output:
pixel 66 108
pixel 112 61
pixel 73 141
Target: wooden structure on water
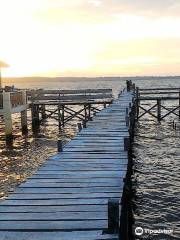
pixel 10 103
pixel 157 100
pixel 61 105
pixel 79 194
pixel 65 105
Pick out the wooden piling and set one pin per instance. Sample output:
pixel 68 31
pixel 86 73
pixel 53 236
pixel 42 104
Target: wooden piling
pixel 128 86
pixel 79 127
pixel 84 124
pixel 85 113
pixel 59 116
pixel 43 111
pixel 127 120
pixel 89 111
pixel 137 102
pixel 113 216
pixel 126 143
pixel 179 104
pixel 62 116
pixel 7 116
pixel 159 109
pixel 59 145
pixel 35 117
pixel 24 124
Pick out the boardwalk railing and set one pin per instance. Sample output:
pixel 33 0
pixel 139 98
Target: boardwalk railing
pixel 16 98
pixel 57 104
pixel 155 98
pixel 70 95
pixel 13 102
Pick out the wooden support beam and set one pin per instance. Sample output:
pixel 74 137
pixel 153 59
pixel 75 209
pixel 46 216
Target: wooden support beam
pixel 59 116
pixel 85 113
pixel 62 116
pixel 159 110
pixel 137 102
pixel 147 111
pixel 24 124
pixel 60 145
pixel 179 104
pixel 89 111
pixel 170 111
pixel 43 111
pixel 35 116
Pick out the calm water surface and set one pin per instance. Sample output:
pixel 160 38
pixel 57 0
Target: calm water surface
pixel 156 147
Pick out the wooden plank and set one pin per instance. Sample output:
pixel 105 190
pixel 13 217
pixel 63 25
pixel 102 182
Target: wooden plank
pixel 69 190
pixel 77 180
pixel 16 196
pixel 53 225
pixel 50 202
pixel 79 175
pixel 55 216
pixel 75 235
pixel 83 168
pixel 88 161
pixel 114 183
pixel 88 156
pixel 50 209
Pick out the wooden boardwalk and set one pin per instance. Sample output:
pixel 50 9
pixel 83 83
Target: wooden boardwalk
pixel 66 199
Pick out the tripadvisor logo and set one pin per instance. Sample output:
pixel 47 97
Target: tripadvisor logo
pixel 139 231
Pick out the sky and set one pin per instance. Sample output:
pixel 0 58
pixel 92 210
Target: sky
pixel 90 37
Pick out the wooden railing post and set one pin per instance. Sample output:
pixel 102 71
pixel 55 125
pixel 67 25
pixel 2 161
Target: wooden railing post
pixel 7 115
pixel 59 145
pixel 159 109
pixel 35 116
pixel 113 216
pixel 126 143
pixel 127 117
pixel 137 102
pixel 24 114
pixel 79 127
pixel 179 104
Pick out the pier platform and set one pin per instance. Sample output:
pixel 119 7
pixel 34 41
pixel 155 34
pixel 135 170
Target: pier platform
pixel 72 195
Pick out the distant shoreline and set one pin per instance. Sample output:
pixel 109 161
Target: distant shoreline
pixel 105 78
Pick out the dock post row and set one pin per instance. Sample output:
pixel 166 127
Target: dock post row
pixel 83 191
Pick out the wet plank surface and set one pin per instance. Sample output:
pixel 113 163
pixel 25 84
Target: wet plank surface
pixel 67 197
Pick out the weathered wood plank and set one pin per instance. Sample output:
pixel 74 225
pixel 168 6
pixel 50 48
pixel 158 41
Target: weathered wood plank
pixel 51 202
pixel 69 190
pixel 55 216
pixel 82 235
pixel 53 225
pixel 51 195
pixel 113 183
pixel 50 209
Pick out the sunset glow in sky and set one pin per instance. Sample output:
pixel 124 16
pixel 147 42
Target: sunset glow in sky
pixel 90 37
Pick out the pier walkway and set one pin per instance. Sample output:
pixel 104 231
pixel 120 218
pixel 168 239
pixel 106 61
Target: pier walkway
pixel 67 198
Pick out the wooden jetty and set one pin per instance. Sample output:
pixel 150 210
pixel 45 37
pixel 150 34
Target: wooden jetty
pixel 78 193
pixel 61 105
pixel 65 105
